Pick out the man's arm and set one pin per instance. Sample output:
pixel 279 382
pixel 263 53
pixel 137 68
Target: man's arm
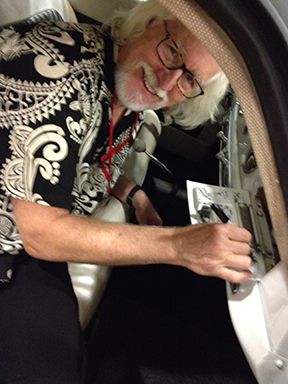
pixel 54 234
pixel 145 212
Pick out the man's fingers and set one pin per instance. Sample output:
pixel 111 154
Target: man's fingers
pixel 238 234
pixel 240 248
pixel 239 262
pixel 233 276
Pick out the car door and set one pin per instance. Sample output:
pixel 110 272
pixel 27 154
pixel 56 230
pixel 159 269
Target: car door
pixel 250 41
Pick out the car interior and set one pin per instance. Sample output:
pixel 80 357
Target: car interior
pixel 164 324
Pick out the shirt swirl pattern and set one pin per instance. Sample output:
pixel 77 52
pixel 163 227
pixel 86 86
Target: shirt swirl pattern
pixel 56 85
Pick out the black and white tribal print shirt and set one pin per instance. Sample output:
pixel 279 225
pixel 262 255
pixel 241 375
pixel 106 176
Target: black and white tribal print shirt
pixel 56 85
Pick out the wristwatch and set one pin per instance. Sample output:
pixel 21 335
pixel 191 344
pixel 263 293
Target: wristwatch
pixel 130 195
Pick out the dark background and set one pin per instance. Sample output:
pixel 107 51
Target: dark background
pixel 164 324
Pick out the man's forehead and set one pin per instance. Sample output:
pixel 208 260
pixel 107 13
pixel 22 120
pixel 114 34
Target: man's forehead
pixel 195 54
pixel 182 36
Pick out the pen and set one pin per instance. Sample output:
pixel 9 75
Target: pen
pixel 220 213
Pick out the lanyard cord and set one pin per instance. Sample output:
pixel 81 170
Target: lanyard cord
pixel 108 156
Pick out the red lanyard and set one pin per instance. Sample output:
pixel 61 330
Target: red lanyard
pixel 108 156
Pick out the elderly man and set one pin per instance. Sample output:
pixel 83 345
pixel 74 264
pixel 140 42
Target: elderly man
pixel 68 117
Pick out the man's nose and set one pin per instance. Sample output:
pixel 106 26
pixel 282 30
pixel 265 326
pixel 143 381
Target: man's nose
pixel 168 78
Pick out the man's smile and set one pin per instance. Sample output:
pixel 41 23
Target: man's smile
pixel 148 86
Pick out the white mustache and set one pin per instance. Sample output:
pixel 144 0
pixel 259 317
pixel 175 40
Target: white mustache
pixel 152 81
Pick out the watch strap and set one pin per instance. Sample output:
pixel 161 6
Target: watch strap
pixel 130 195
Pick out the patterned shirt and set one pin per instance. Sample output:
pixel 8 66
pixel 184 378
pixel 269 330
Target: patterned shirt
pixel 56 85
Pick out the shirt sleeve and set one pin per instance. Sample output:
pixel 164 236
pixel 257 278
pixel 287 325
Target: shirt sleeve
pixel 45 80
pixel 46 77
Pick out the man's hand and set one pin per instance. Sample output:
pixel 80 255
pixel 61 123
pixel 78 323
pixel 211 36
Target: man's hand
pixel 145 212
pixel 220 250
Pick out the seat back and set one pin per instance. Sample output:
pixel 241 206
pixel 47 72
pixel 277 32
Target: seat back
pixel 15 11
pixel 89 281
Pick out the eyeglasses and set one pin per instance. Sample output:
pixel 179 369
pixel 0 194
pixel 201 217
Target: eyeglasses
pixel 171 58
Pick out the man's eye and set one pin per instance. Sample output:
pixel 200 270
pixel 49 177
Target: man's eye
pixel 173 51
pixel 189 78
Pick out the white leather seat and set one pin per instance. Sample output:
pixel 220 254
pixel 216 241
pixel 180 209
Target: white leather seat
pixel 100 9
pixel 89 281
pixel 12 11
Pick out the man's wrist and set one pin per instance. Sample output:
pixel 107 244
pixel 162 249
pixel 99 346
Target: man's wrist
pixel 133 190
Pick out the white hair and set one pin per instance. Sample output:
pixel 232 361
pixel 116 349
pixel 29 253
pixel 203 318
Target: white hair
pixel 193 112
pixel 128 25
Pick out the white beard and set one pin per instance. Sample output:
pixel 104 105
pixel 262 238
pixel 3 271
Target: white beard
pixel 136 100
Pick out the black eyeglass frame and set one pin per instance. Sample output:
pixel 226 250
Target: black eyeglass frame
pixel 182 67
